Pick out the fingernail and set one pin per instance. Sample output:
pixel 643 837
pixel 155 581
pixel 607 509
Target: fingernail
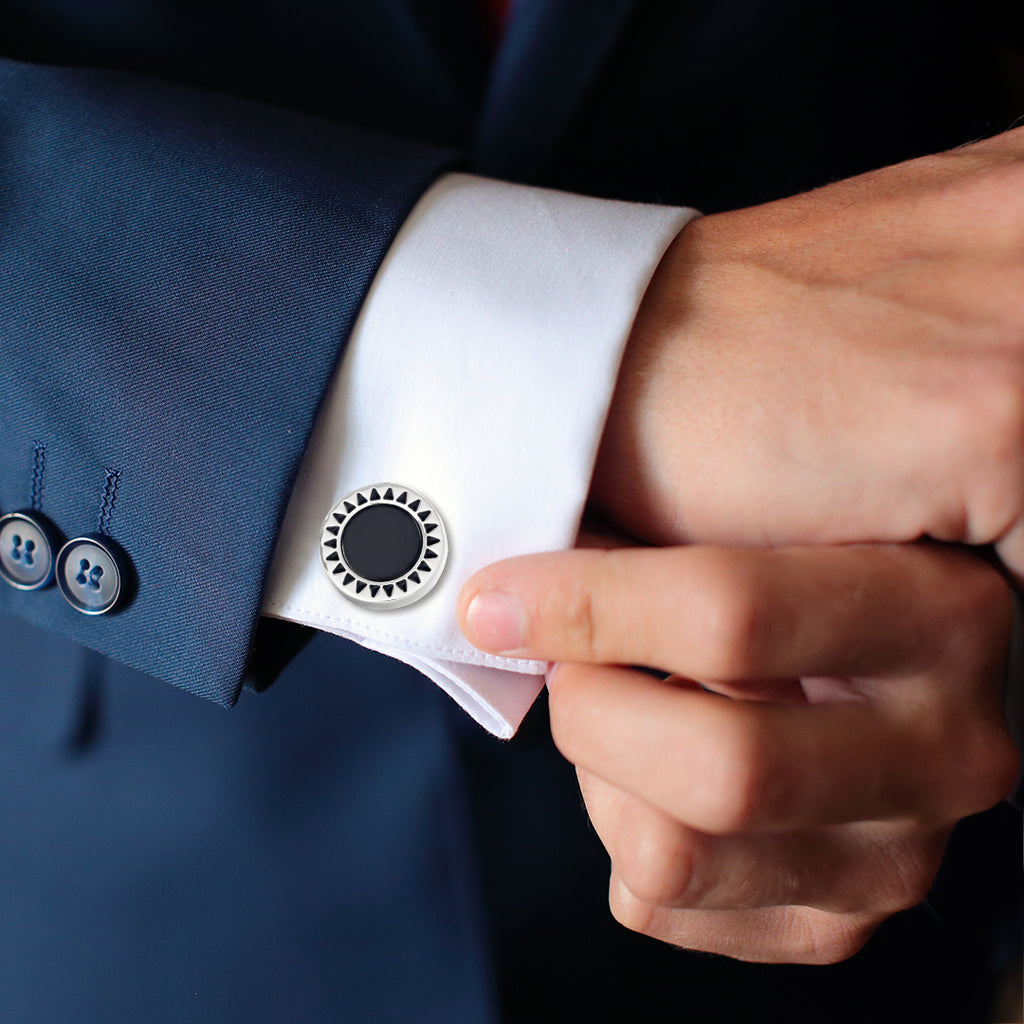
pixel 496 621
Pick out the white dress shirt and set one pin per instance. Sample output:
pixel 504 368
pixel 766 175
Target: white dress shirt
pixel 479 374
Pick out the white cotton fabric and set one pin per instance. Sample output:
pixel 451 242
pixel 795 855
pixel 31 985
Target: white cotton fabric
pixel 479 374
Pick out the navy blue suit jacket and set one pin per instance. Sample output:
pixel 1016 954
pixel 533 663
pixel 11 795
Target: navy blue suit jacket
pixel 194 199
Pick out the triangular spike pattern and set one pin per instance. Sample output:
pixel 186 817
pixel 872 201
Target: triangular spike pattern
pixel 347 580
pixel 431 554
pixel 332 557
pixel 333 529
pixel 424 515
pixel 374 494
pixel 403 496
pixel 360 499
pixel 433 540
pixel 414 577
pixel 339 517
pixel 349 508
pixel 389 495
pixel 388 588
pixel 430 527
pixel 331 542
pixel 337 569
pixel 373 590
pixel 360 587
pixel 414 504
pixel 402 586
pixel 424 566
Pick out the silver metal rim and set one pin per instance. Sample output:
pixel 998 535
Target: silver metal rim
pixel 402 590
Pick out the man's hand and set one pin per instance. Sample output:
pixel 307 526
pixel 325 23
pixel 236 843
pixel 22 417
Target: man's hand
pixel 845 365
pixel 786 823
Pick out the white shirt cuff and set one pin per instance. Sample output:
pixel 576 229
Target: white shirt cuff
pixel 479 374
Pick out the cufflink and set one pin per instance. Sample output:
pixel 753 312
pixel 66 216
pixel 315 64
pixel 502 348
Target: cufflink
pixel 28 541
pixel 384 546
pixel 93 574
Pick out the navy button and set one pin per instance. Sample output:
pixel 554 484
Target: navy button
pixel 92 573
pixel 384 546
pixel 28 541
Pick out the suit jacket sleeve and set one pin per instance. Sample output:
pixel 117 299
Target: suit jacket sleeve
pixel 179 273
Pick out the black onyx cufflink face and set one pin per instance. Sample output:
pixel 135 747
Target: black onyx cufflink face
pixel 384 546
pixel 28 545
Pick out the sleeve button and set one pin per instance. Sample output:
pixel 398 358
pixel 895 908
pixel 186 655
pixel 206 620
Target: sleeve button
pixel 28 541
pixel 92 573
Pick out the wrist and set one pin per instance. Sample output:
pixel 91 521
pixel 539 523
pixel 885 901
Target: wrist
pixel 632 482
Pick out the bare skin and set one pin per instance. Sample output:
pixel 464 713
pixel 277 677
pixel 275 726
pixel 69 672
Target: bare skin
pixel 785 823
pixel 842 366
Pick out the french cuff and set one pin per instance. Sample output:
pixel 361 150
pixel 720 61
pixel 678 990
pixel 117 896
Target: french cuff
pixel 479 374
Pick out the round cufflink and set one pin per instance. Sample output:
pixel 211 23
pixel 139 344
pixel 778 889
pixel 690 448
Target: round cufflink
pixel 92 574
pixel 28 541
pixel 384 546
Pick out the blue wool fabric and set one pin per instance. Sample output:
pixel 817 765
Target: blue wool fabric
pixel 178 275
pixel 167 862
pixel 194 198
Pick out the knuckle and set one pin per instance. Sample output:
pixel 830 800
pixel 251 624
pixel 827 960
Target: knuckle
pixel 832 945
pixel 989 768
pixel 976 628
pixel 577 615
pixel 733 621
pixel 904 878
pixel 1005 772
pixel 589 608
pixel 992 602
pixel 740 787
pixel 969 762
pixel 819 938
pixel 630 911
pixel 915 884
pixel 656 865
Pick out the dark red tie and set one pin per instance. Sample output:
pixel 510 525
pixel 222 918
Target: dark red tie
pixel 496 11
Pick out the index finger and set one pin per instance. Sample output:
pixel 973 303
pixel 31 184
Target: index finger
pixel 731 613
